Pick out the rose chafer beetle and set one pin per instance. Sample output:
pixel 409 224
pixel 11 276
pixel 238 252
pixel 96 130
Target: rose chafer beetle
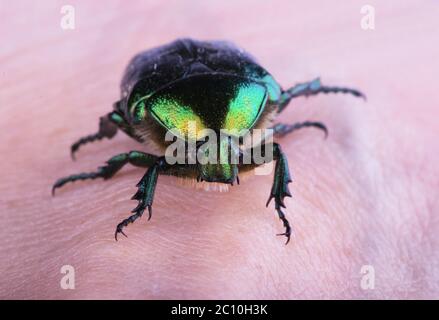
pixel 213 84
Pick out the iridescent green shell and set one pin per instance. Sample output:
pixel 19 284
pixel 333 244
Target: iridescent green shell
pixel 207 84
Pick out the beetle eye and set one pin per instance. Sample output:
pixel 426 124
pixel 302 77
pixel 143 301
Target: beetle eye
pixel 177 117
pixel 245 107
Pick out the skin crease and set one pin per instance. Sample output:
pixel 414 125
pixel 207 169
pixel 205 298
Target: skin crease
pixel 365 196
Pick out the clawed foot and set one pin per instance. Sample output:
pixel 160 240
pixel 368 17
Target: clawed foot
pixel 138 212
pixel 119 228
pixel 144 195
pixel 124 223
pixel 279 202
pixel 280 189
pixel 287 232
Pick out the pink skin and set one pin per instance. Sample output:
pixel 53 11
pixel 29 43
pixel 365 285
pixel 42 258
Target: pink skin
pixel 365 196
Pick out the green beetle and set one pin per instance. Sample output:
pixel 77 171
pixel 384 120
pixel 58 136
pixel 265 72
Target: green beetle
pixel 213 85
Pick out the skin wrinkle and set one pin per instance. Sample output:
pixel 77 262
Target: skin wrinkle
pixel 378 200
pixel 351 184
pixel 296 179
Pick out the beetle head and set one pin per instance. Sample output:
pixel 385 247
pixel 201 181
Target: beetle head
pixel 218 161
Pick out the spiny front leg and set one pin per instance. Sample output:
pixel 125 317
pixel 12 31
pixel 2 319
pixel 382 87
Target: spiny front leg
pixel 144 194
pixel 280 188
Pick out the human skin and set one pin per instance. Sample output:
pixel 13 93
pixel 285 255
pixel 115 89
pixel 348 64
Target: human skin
pixel 366 196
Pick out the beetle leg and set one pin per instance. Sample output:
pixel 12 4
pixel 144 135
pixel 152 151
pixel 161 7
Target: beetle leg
pixel 282 129
pixel 136 158
pixel 107 129
pixel 144 194
pixel 108 126
pixel 312 88
pixel 280 188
